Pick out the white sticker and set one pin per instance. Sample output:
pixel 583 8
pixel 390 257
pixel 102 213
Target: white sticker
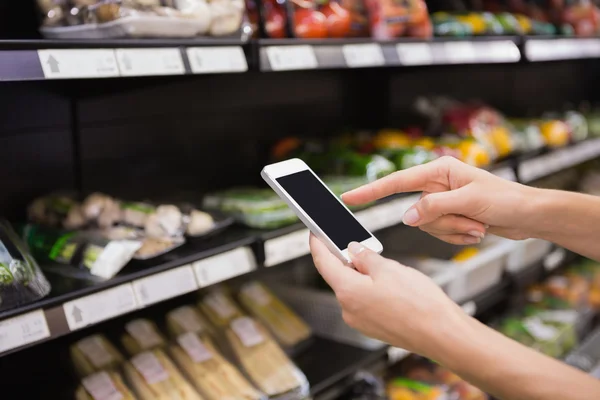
pixel 220 304
pixel 144 333
pixel 165 285
pixel 80 63
pixel 459 52
pixel 187 318
pixel 560 49
pixel 568 317
pixel 396 354
pixel 554 259
pixel 387 214
pixel 257 293
pixel 363 55
pixel 101 306
pixel 194 348
pixel 150 62
pixel 414 53
pixel 470 308
pixel 101 387
pixel 23 329
pixel 539 330
pixel 505 173
pixel 211 60
pixel 496 51
pixel 246 331
pixel 94 350
pixel 150 368
pixel 287 247
pixel 286 58
pixel 224 266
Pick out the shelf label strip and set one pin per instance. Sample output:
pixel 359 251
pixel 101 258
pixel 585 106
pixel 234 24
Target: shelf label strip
pixel 212 60
pixel 22 330
pixel 224 266
pixel 387 214
pixel 78 64
pixel 150 62
pixel 165 285
pixel 288 58
pixel 287 247
pixel 363 55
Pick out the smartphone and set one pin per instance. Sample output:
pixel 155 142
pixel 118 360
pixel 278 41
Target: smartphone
pixel 322 212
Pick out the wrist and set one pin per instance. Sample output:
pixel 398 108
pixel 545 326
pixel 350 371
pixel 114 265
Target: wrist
pixel 541 209
pixel 441 339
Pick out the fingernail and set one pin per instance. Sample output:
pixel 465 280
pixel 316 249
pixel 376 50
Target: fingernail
pixel 356 248
pixel 472 240
pixel 477 234
pixel 411 217
pixel 486 226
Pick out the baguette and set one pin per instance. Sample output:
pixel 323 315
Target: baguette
pixel 93 354
pixel 141 335
pixel 220 308
pixel 103 385
pixel 187 319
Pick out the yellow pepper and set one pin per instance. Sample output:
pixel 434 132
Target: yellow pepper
pixel 391 139
pixel 555 133
pixel 465 254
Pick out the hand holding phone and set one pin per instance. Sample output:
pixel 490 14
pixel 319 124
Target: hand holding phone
pixel 322 212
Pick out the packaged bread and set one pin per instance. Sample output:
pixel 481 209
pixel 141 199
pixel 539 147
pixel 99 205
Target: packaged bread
pixel 220 308
pixel 212 375
pixel 264 361
pixel 93 354
pixel 153 376
pixel 187 319
pixel 141 335
pixel 103 385
pixel 286 326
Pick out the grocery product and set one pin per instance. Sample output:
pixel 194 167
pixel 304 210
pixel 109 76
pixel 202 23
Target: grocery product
pixel 93 354
pixel 153 376
pixel 141 335
pixel 103 385
pixel 527 135
pixel 21 280
pixel 391 19
pixel 212 375
pixel 263 360
pixel 187 319
pixel 359 18
pixel 285 325
pixel 219 307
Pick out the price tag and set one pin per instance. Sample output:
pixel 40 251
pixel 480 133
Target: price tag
pixel 187 318
pixel 396 354
pixel 220 304
pixel 287 58
pixel 363 55
pixel 23 329
pixel 257 293
pixel 143 333
pixel 80 63
pixel 287 247
pixel 460 52
pixel 497 51
pixel 224 266
pixel 101 387
pixel 539 330
pixel 194 348
pixel 149 62
pixel 505 173
pixel 165 285
pixel 150 368
pixel 101 306
pixel 470 308
pixel 385 215
pixel 414 53
pixel 554 259
pixel 211 60
pixel 246 330
pixel 94 350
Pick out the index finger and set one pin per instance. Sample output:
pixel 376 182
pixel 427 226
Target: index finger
pixel 415 179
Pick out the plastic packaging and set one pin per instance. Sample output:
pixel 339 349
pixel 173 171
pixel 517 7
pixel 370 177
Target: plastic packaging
pixel 21 280
pixel 141 335
pixel 391 19
pixel 94 354
pixel 187 319
pixel 103 385
pixel 219 307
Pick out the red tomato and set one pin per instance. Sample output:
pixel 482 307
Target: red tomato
pixel 310 24
pixel 275 20
pixel 339 20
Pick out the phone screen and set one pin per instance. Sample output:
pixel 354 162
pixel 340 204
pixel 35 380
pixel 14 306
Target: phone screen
pixel 324 209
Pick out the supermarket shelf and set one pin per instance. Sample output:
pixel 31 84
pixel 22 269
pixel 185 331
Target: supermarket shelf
pixel 587 356
pixel 294 54
pixel 552 48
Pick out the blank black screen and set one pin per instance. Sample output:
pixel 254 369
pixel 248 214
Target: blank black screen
pixel 324 209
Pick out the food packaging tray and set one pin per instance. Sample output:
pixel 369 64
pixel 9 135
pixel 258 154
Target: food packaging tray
pixel 527 252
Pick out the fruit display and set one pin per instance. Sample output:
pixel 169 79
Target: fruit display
pixel 21 280
pixel 100 19
pixel 487 23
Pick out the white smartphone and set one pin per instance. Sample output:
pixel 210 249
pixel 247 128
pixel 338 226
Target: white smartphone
pixel 322 212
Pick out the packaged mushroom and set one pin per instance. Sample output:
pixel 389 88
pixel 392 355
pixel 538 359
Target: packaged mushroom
pixel 187 319
pixel 57 210
pixel 103 385
pixel 212 375
pixel 141 335
pixel 264 361
pixel 153 376
pixel 93 354
pixel 286 325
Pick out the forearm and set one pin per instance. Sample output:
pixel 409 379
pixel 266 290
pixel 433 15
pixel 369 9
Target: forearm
pixel 509 370
pixel 571 220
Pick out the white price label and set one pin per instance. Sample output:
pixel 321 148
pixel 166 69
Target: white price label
pixel 385 215
pixel 287 247
pixel 505 173
pixel 212 60
pixel 165 285
pixel 363 55
pixel 246 330
pixel 257 293
pixel 414 53
pixel 101 387
pixel 497 51
pixel 23 329
pixel 470 308
pixel 150 368
pixel 94 351
pixel 194 348
pixel 396 354
pixel 224 266
pixel 187 318
pixel 80 63
pixel 554 259
pixel 220 304
pixel 539 330
pixel 101 306
pixel 286 58
pixel 460 52
pixel 150 62
pixel 143 333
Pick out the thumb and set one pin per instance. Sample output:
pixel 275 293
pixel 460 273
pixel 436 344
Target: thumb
pixel 435 205
pixel 365 260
